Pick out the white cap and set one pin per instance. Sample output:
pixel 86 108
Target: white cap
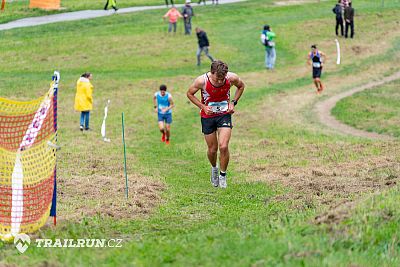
pixel 187 1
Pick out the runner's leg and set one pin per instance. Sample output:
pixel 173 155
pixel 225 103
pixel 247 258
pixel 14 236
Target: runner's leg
pixel 212 144
pixel 321 86
pixel 162 130
pixel 316 83
pixel 224 135
pixel 167 130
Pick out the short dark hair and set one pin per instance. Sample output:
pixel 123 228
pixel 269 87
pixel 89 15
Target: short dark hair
pixel 86 75
pixel 266 28
pixel 163 87
pixel 314 46
pixel 219 68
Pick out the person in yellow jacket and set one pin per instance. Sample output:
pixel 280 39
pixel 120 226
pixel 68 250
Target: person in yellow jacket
pixel 84 99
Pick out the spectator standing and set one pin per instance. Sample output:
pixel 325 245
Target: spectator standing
pixel 338 10
pixel 84 99
pixel 267 38
pixel 349 18
pixel 173 15
pixel 187 13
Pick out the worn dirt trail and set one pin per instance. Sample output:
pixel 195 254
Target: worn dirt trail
pixel 324 110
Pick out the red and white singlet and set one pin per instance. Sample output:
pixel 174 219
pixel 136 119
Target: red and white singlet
pixel 216 97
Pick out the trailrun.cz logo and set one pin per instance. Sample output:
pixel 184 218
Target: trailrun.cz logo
pixel 23 241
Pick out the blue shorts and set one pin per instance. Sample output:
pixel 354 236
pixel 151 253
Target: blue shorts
pixel 167 118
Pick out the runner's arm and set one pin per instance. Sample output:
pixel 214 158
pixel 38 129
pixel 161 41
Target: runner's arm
pixel 171 102
pixel 236 81
pixel 309 60
pixel 323 56
pixel 155 103
pixel 196 86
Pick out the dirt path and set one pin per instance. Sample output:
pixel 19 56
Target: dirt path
pixel 85 14
pixel 296 2
pixel 324 110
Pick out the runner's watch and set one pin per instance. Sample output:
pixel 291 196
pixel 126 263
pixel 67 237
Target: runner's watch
pixel 234 102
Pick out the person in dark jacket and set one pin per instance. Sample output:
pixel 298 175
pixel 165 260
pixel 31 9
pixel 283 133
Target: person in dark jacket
pixel 339 19
pixel 187 13
pixel 349 18
pixel 203 45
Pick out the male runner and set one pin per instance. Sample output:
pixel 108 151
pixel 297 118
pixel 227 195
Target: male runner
pixel 316 58
pixel 216 108
pixel 163 105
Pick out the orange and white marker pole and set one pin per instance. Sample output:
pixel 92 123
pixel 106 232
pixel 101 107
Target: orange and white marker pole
pixel 3 4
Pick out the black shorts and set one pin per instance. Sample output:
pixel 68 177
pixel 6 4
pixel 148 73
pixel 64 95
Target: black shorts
pixel 316 72
pixel 210 125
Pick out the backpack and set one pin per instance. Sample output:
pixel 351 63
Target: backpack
pixel 265 41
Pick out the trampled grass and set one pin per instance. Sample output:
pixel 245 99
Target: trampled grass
pixel 285 168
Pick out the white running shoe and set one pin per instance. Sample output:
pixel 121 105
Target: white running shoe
pixel 222 181
pixel 214 176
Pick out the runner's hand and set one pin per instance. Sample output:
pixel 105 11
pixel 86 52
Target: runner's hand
pixel 163 110
pixel 231 108
pixel 156 110
pixel 207 110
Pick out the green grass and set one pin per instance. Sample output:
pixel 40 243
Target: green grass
pixel 196 224
pixel 375 110
pixel 20 8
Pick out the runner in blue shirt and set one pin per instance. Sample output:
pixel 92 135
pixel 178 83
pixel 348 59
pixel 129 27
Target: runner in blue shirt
pixel 163 105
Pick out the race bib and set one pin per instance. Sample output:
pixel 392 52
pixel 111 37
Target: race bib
pixel 219 107
pixel 316 65
pixel 160 107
